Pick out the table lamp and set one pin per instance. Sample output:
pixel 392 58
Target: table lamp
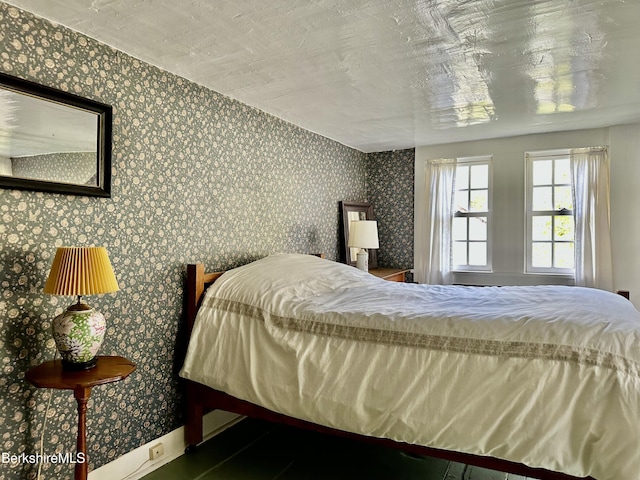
pixel 79 330
pixel 363 234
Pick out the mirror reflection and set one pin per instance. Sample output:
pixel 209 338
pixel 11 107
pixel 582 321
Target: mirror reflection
pixel 47 141
pixel 354 216
pixel 53 141
pixel 349 212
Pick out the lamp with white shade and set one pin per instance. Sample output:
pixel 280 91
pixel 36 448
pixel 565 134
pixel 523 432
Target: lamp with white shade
pixel 363 234
pixel 79 330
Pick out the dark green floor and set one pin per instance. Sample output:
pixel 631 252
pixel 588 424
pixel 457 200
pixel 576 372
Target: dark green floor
pixel 255 450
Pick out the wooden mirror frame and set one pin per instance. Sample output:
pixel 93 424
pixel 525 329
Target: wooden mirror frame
pixel 104 115
pixel 365 209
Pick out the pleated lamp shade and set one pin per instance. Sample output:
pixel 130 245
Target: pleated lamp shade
pixel 81 271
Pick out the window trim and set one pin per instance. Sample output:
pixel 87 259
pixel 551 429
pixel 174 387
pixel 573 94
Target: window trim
pixel 529 269
pixel 477 160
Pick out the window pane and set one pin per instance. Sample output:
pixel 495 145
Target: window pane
pixel 541 255
pixel 551 236
pixel 462 200
pixel 479 201
pixel 480 176
pixel 542 198
pixel 462 177
pixel 542 172
pixel 563 229
pixel 563 171
pixel 471 198
pixel 541 228
pixel 478 228
pixel 563 198
pixel 478 253
pixel 459 230
pixel 460 253
pixel 564 255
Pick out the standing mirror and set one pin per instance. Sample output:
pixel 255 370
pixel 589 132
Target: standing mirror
pixel 53 141
pixel 350 212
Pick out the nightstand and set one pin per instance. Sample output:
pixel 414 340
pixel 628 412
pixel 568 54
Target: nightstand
pixel 51 375
pixel 390 274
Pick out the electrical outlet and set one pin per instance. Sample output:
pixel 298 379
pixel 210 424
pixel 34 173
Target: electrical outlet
pixel 156 451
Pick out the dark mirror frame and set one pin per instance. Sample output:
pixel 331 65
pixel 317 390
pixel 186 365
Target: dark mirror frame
pixel 367 210
pixel 103 140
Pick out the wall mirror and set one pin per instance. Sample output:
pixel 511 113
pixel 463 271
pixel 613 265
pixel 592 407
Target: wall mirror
pixel 350 212
pixel 53 141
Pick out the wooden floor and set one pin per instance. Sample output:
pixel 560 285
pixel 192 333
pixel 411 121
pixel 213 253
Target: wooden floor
pixel 255 450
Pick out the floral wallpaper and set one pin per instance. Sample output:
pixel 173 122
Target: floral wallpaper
pixel 390 179
pixel 196 177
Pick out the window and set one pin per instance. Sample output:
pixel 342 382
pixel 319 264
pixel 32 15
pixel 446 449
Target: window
pixel 471 221
pixel 543 219
pixel 550 221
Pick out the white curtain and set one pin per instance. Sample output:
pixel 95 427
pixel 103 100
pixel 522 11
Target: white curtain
pixel 590 178
pixel 432 258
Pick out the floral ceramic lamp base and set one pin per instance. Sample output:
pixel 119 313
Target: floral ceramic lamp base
pixel 78 333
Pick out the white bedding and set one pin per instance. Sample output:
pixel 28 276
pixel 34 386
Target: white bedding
pixel 547 376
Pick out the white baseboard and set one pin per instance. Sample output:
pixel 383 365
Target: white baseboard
pixel 136 464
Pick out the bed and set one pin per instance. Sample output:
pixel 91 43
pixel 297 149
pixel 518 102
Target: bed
pixel 537 381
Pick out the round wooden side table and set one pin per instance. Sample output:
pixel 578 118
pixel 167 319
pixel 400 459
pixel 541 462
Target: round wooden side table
pixel 51 375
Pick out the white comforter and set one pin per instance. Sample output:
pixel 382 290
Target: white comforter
pixel 545 376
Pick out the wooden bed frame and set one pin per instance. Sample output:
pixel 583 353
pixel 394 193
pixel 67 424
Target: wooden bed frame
pixel 200 399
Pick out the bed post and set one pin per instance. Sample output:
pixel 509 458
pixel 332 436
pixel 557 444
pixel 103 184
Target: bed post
pixel 193 293
pixel 193 433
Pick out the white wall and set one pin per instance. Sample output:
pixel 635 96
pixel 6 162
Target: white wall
pixel 508 199
pixel 625 215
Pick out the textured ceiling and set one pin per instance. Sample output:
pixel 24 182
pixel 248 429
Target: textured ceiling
pixel 383 75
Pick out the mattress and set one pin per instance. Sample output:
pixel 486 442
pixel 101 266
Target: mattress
pixel 547 376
